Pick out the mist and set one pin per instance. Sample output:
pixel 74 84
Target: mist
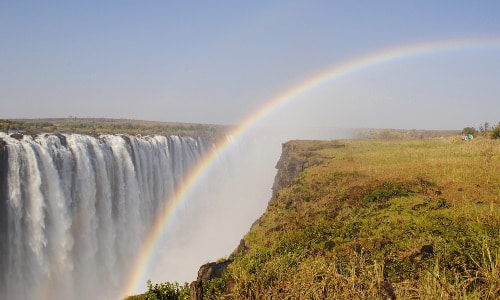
pixel 228 199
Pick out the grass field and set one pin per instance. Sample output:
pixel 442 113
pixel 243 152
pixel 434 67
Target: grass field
pixel 378 219
pixel 374 219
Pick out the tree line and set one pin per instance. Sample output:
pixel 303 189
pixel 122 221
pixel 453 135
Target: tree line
pixel 96 127
pixel 484 130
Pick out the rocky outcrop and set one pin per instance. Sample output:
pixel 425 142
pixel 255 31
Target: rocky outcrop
pixel 206 273
pixel 17 136
pixel 3 169
pixel 289 168
pixel 3 205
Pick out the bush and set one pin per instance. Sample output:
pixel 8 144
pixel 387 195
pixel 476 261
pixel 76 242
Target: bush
pixel 470 130
pixel 495 133
pixel 214 288
pixel 167 291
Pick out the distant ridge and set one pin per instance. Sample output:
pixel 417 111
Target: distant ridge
pixel 115 126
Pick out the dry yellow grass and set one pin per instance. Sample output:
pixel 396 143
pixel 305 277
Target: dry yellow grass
pixel 413 219
pixel 377 219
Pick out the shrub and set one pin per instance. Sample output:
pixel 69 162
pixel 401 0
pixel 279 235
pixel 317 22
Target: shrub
pixel 470 130
pixel 167 291
pixel 495 133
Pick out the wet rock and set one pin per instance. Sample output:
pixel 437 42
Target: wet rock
pixel 17 136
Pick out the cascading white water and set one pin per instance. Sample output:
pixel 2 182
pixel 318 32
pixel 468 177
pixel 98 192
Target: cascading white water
pixel 75 209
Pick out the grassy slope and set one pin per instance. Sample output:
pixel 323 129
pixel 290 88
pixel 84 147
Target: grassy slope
pixel 412 219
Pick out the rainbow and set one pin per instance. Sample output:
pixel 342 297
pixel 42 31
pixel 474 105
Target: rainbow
pixel 330 74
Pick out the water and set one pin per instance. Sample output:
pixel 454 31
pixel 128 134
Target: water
pixel 75 208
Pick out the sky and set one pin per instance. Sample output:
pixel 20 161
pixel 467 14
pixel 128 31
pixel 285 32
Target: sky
pixel 217 62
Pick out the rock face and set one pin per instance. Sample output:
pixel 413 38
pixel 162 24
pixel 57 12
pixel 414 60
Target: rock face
pixel 3 206
pixel 289 168
pixel 3 170
pixel 206 273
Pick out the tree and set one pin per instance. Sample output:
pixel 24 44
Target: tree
pixel 495 133
pixel 484 129
pixel 470 130
pixel 167 291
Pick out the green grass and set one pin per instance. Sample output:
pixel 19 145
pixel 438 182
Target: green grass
pixel 416 218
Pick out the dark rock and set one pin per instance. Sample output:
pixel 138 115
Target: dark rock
pixel 127 139
pixel 289 169
pixel 63 140
pixel 329 245
pixel 4 167
pixel 196 290
pixel 242 248
pixel 206 273
pixel 17 136
pixel 427 250
pixel 212 270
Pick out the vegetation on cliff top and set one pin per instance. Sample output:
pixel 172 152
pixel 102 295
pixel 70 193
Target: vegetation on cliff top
pixel 379 219
pixel 376 220
pixel 111 126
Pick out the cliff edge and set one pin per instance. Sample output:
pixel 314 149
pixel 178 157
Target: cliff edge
pixel 371 219
pixel 294 159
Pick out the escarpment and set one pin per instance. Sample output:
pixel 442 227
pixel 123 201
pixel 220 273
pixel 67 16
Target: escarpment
pixel 292 162
pixel 295 159
pixel 3 204
pixel 288 168
pixel 369 207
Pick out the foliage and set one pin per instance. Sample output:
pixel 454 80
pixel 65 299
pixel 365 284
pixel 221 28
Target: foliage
pixel 167 291
pixel 495 133
pixel 470 130
pixel 214 288
pixel 99 126
pixel 484 128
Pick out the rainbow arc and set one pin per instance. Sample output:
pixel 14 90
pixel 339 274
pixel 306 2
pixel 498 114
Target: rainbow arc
pixel 337 71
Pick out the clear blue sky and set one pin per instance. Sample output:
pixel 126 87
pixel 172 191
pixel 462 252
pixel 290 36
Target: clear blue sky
pixel 218 61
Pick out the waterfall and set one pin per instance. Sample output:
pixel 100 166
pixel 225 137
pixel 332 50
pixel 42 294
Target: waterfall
pixel 74 209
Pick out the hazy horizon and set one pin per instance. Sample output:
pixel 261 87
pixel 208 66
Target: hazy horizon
pixel 219 62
